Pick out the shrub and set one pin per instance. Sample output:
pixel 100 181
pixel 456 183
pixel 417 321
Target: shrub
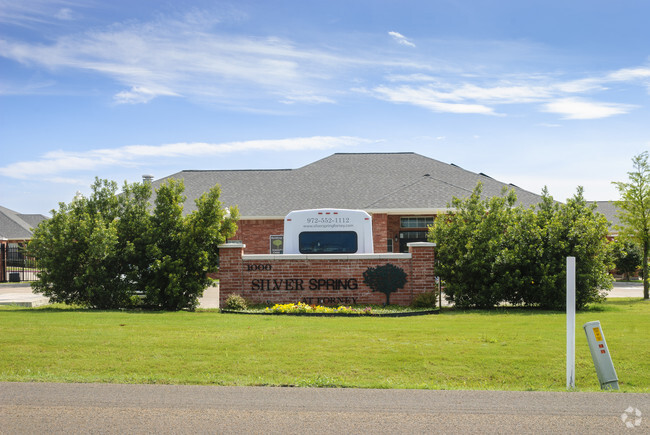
pixel 385 279
pixel 425 300
pixel 490 251
pixel 103 250
pixel 301 307
pixel 236 302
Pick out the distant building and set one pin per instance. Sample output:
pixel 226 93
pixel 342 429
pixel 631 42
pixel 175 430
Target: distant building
pixel 403 192
pixel 15 231
pixel 610 211
pixel 16 228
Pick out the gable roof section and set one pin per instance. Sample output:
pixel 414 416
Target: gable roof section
pixel 375 182
pixel 17 226
pixel 609 209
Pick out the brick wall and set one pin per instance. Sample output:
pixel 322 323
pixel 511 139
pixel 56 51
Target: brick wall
pixel 255 233
pixel 320 279
pixel 379 231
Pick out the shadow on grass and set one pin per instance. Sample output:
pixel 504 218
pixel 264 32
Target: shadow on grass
pixel 614 304
pixel 610 305
pixel 64 308
pixel 623 302
pixel 528 311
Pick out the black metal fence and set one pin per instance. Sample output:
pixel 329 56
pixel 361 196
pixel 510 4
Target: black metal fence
pixel 16 265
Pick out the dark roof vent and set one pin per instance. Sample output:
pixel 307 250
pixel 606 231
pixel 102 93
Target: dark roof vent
pixel 147 179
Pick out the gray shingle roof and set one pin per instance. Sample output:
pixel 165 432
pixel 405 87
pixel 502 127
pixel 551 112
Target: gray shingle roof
pixel 17 226
pixel 610 211
pixel 370 181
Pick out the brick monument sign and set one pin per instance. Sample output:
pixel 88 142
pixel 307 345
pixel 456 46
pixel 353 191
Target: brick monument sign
pixel 321 279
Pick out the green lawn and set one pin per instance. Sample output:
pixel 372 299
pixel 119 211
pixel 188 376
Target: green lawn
pixel 499 350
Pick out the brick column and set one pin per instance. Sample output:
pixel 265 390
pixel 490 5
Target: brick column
pixel 422 268
pixel 230 267
pixel 3 261
pixel 379 231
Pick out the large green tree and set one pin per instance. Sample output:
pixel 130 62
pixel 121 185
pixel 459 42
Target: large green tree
pixel 627 257
pixel 469 241
pixel 490 251
pixel 572 229
pixel 634 210
pixel 107 250
pixel 77 251
pixel 183 249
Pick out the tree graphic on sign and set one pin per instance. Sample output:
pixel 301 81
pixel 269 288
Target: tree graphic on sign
pixel 385 279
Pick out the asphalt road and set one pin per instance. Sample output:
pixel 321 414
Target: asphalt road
pixel 110 408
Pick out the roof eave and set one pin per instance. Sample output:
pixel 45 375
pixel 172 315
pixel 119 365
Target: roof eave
pixel 409 211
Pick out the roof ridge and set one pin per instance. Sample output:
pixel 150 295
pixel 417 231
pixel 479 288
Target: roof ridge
pixel 235 170
pixel 418 180
pixel 16 218
pixel 371 153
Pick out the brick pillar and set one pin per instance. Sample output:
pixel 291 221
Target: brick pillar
pixel 230 270
pixel 3 262
pixel 422 268
pixel 379 231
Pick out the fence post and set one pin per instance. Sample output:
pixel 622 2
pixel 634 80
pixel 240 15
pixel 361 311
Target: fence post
pixel 570 323
pixel 3 263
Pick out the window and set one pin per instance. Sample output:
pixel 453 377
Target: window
pixel 420 236
pixel 389 245
pixel 327 242
pixel 406 237
pixel 416 222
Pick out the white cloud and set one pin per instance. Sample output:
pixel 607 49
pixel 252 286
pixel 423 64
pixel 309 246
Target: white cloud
pixel 478 94
pixel 187 57
pixel 401 39
pixel 574 108
pixel 58 162
pixel 65 14
pixel 307 98
pixel 501 94
pixel 466 97
pixel 417 77
pixel 430 99
pixel 139 94
pixel 589 84
pixel 64 180
pixel 629 74
pixel 175 57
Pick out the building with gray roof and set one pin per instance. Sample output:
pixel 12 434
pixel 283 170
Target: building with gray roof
pixel 391 187
pixel 610 211
pixel 375 182
pixel 17 227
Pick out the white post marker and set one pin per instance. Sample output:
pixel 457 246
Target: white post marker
pixel 570 322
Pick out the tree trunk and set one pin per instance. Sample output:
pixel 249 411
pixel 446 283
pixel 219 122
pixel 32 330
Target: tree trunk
pixel 646 248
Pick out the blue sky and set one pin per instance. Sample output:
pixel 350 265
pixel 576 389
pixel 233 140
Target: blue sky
pixel 534 93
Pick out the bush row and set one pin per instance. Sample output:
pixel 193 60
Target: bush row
pixel 117 251
pixel 490 251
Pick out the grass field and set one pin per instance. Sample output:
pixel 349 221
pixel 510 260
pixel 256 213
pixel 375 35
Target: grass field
pixel 511 349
